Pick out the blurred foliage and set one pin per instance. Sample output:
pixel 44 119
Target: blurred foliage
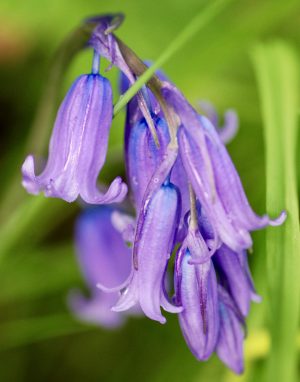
pixel 277 68
pixel 39 340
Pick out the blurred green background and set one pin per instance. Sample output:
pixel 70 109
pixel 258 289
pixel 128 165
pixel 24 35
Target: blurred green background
pixel 39 339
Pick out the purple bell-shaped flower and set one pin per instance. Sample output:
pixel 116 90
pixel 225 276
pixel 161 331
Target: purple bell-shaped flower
pixel 78 145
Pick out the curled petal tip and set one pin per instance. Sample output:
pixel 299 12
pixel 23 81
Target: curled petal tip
pixel 120 188
pixel 115 193
pixel 28 176
pixel 230 128
pixel 256 298
pixel 117 288
pixel 169 307
pixel 107 289
pixel 158 317
pixel 161 320
pixel 231 122
pixel 128 298
pixel 280 220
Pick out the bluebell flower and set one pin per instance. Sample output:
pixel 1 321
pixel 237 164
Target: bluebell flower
pixel 78 145
pixel 104 258
pixel 196 292
pixel 214 178
pixel 143 156
pixel 214 290
pixel 234 276
pixel 153 244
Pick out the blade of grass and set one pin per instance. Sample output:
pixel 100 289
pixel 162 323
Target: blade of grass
pixel 277 71
pixel 200 20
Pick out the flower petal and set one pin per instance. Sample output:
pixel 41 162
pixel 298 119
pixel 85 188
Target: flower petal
pixel 233 276
pixel 78 146
pixel 199 319
pixel 153 246
pixel 235 238
pixel 103 257
pixel 143 156
pixel 231 122
pixel 228 184
pixel 102 254
pixel 231 337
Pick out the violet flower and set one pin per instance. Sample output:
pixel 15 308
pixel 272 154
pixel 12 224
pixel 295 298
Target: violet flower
pixel 186 191
pixel 211 320
pixel 234 276
pixel 232 268
pixel 213 176
pixel 78 145
pixel 196 292
pixel 104 258
pixel 154 240
pixel 224 200
pixel 143 156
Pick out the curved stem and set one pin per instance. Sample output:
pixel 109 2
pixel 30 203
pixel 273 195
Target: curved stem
pixel 96 63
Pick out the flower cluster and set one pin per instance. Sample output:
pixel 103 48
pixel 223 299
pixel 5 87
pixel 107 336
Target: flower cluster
pixel 192 217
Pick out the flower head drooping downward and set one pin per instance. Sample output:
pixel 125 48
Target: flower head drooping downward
pixel 213 285
pixel 187 196
pixel 78 145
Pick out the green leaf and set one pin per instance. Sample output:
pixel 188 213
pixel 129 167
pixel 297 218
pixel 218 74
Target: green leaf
pixel 277 70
